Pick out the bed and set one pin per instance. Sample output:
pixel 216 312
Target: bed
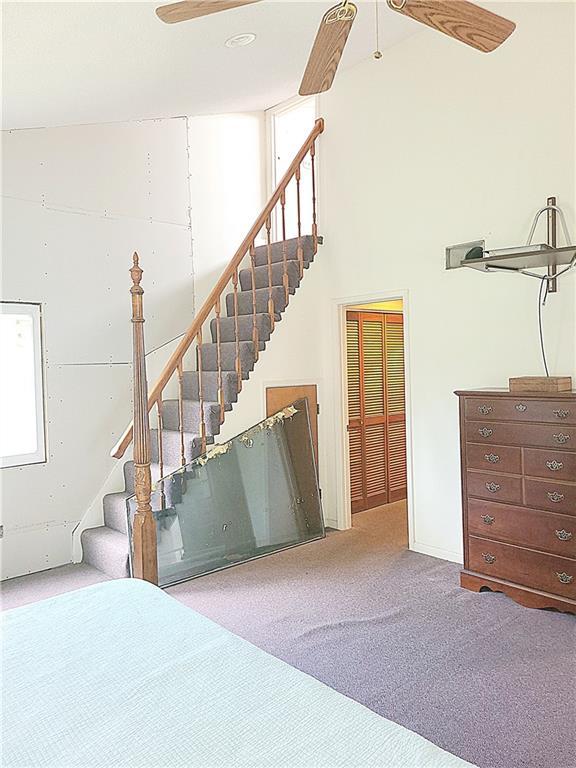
pixel 120 674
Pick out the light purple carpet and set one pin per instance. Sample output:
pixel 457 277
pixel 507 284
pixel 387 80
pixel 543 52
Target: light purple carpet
pixel 56 581
pixel 476 674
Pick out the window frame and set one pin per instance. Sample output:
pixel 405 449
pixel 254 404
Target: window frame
pixel 272 178
pixel 34 310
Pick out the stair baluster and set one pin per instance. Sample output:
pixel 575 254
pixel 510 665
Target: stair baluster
pixel 255 334
pixel 159 420
pixel 285 280
pixel 314 224
pixel 201 390
pixel 236 331
pixel 181 414
pixel 217 310
pixel 299 250
pixel 145 563
pixel 271 310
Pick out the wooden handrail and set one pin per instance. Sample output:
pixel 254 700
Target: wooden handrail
pixel 177 356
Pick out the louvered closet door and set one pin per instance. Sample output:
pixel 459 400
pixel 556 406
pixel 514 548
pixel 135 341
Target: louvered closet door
pixel 376 413
pixel 355 438
pixel 395 407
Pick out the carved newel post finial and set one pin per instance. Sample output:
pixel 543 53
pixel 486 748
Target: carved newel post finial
pixel 144 560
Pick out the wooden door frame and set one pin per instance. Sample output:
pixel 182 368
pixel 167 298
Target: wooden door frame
pixel 340 379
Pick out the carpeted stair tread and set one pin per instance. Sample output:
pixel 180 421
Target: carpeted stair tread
pixel 190 389
pixel 171 448
pixel 191 418
pixel 245 327
pixel 128 470
pixel 277 251
pixel 262 277
pixel 245 306
pixel 209 356
pixel 115 510
pixel 106 549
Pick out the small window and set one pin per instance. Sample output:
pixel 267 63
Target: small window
pixel 22 438
pixel 290 124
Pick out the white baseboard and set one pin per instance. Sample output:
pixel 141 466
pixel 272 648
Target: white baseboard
pixel 442 554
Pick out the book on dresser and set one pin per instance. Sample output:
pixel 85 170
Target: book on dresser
pixel 518 456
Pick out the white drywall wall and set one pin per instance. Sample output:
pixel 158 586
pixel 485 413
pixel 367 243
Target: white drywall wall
pixel 432 145
pixel 77 201
pixel 227 182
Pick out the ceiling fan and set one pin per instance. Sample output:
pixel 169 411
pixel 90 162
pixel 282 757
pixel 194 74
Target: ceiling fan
pixel 459 19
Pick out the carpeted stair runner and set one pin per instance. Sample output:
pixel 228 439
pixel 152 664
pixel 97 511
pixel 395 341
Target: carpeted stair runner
pixel 106 547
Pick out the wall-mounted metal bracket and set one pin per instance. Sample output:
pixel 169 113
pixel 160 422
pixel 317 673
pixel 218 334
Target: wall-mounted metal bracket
pixel 521 259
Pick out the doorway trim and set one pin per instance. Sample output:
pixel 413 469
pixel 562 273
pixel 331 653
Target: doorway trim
pixel 339 377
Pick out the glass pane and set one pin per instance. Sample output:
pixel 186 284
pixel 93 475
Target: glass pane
pixel 291 127
pixel 243 499
pixel 18 435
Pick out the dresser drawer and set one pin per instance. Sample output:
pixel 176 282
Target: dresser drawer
pixel 517 409
pixel 530 435
pixel 550 494
pixel 526 527
pixel 549 573
pixel 500 457
pixel 488 485
pixel 555 465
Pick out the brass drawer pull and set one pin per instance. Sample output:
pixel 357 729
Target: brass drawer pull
pixel 521 407
pixel 494 487
pixel 493 458
pixel 561 438
pixel 564 577
pixel 563 535
pixel 561 414
pixel 485 432
pixel 484 409
pixel 554 466
pixel 490 558
pixel 488 520
pixel 555 496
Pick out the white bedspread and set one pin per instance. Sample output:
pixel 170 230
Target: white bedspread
pixel 120 674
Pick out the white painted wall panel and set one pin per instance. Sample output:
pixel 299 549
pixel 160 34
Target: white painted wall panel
pixel 227 181
pixel 84 259
pixel 442 146
pixel 115 169
pixel 76 203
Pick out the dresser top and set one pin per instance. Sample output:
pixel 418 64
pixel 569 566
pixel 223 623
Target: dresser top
pixel 495 392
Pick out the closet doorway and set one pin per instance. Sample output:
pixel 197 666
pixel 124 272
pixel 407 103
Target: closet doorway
pixel 376 404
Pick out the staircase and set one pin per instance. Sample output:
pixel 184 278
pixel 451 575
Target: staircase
pixel 191 404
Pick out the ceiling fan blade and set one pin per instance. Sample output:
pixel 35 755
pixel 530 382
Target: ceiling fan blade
pixel 193 9
pixel 327 49
pixel 460 19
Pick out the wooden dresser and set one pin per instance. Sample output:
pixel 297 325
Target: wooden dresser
pixel 519 495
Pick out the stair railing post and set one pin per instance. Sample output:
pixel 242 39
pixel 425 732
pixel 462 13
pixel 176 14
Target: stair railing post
pixel 144 558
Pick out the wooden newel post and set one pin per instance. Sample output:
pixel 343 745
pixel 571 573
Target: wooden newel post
pixel 144 559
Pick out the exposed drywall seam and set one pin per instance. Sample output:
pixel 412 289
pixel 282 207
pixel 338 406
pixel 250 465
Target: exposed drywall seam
pixel 84 125
pixel 91 212
pixel 189 177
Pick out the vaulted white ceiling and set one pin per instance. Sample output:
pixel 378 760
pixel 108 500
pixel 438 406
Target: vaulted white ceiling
pixel 83 62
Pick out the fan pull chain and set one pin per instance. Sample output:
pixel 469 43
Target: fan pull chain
pixel 377 52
